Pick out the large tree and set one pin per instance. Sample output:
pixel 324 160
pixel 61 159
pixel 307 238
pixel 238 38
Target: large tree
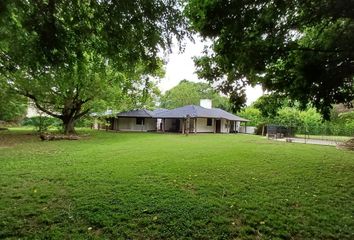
pixel 69 56
pixel 190 93
pixel 302 48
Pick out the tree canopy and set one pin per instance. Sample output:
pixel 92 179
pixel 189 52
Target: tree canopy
pixel 69 57
pixel 269 104
pixel 190 93
pixel 301 48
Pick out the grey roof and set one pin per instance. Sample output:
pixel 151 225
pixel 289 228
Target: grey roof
pixel 159 110
pixel 230 116
pixel 141 113
pixel 194 111
pixel 137 113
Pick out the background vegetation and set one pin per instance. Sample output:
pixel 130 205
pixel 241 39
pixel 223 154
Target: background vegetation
pixel 190 93
pixel 267 110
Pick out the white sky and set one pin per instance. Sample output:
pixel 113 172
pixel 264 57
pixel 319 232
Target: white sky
pixel 181 66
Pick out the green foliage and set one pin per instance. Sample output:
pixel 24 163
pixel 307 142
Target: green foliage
pixel 144 95
pixel 301 49
pixel 270 109
pixel 309 121
pixel 269 104
pixel 277 109
pixel 42 123
pixel 85 122
pixel 190 93
pixel 12 106
pixel 343 118
pixel 253 114
pixel 73 57
pixel 168 186
pixel 289 117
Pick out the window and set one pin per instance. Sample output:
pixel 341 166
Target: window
pixel 209 122
pixel 139 121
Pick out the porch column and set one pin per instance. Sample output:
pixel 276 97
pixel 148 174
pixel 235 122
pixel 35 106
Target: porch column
pixel 214 122
pixel 163 124
pixel 118 126
pixel 182 120
pixel 195 125
pixel 245 127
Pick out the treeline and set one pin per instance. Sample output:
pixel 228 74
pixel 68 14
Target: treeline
pixel 190 93
pixel 273 109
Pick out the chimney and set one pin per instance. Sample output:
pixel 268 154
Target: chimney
pixel 206 103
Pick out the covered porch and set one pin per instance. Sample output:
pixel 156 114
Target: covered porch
pixel 201 125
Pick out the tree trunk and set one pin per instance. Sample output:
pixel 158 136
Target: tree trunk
pixel 69 126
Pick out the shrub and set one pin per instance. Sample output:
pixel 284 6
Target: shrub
pixel 42 123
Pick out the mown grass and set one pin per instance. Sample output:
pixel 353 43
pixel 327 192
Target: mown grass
pixel 325 137
pixel 167 186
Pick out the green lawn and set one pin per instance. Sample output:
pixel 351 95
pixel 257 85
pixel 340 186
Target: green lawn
pixel 169 186
pixel 325 137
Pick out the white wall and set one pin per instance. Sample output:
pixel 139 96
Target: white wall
pixel 129 124
pixel 249 129
pixel 202 125
pixel 238 124
pixel 225 126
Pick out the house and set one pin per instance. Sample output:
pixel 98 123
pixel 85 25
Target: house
pixel 190 118
pixel 198 119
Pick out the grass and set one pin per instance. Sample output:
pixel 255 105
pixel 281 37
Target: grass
pixel 169 186
pixel 325 137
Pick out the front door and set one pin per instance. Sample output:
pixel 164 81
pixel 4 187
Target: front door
pixel 217 126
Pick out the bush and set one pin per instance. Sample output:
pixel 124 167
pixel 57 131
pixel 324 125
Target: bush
pixel 84 122
pixel 42 123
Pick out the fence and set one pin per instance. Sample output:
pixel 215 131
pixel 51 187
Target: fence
pixel 315 134
pixel 337 133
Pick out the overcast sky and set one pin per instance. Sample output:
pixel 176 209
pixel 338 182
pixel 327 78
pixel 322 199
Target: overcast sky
pixel 181 66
